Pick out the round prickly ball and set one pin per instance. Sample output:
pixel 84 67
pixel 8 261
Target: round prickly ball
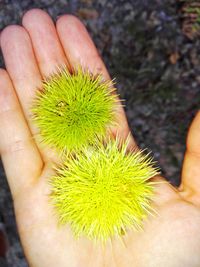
pixel 72 110
pixel 103 191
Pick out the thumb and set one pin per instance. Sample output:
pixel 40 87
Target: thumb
pixel 191 166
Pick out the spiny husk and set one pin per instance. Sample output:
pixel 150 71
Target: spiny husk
pixel 72 110
pixel 104 190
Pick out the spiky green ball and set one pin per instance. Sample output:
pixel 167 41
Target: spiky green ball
pixel 72 110
pixel 103 191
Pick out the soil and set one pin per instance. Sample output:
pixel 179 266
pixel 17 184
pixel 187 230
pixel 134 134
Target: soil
pixel 157 72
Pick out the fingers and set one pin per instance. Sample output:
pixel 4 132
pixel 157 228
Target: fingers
pixel 80 50
pixel 20 64
pixel 21 159
pixel 17 47
pixel 22 67
pixel 25 65
pixel 46 44
pixel 191 166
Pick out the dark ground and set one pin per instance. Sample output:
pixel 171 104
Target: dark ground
pixel 156 69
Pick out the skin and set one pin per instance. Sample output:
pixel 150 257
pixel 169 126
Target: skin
pixel 171 239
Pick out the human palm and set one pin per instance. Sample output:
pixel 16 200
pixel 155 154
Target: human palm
pixel 171 238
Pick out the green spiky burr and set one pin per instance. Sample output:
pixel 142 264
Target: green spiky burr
pixel 104 190
pixel 73 109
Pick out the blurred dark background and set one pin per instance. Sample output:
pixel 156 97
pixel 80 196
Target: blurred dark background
pixel 157 69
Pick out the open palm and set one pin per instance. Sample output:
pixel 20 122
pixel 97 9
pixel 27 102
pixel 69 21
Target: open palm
pixel 170 239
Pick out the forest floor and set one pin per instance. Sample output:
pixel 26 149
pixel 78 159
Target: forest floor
pixel 157 71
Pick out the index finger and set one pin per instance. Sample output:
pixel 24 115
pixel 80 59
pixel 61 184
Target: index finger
pixel 80 50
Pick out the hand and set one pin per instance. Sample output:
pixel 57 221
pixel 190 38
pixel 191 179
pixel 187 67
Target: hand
pixel 171 239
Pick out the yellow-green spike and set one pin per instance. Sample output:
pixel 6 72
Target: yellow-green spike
pixel 103 190
pixel 72 109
